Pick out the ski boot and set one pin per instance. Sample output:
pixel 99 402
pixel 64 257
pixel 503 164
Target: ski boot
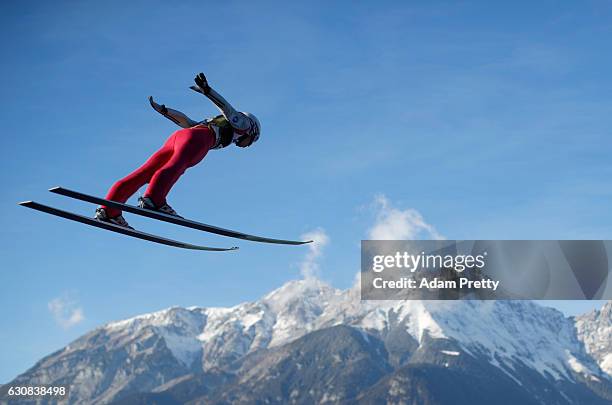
pixel 148 204
pixel 102 216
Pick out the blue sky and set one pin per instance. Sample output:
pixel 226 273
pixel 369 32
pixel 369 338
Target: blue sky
pixel 491 121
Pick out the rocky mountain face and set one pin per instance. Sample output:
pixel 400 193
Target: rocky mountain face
pixel 307 342
pixel 595 330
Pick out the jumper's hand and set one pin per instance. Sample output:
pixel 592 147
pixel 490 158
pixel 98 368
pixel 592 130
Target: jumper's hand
pixel 201 84
pixel 157 107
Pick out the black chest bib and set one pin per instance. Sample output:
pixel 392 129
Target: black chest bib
pixel 226 132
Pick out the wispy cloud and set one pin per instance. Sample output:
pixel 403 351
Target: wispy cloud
pixel 395 224
pixel 309 267
pixel 66 311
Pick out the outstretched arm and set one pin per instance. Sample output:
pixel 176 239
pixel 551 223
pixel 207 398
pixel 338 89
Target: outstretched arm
pixel 175 116
pixel 237 120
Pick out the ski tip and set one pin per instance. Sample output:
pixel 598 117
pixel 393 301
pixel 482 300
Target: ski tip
pixel 25 203
pixel 196 247
pixel 54 189
pixel 231 249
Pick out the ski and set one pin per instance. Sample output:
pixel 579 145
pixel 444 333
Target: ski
pixel 119 229
pixel 169 218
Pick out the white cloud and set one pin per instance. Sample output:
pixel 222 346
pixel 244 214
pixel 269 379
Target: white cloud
pixel 66 311
pixel 309 267
pixel 396 224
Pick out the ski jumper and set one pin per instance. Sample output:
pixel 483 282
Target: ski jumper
pixel 185 148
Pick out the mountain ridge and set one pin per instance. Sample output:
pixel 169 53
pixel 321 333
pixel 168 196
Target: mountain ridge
pixel 201 350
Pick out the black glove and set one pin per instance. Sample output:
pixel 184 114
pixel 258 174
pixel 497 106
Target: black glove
pixel 159 108
pixel 201 84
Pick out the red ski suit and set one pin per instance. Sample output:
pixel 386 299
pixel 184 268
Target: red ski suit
pixel 183 149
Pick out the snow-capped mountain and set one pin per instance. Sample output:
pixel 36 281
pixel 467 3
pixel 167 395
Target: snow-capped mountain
pixel 595 330
pixel 307 342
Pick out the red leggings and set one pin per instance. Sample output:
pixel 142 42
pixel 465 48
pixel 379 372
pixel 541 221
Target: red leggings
pixel 185 148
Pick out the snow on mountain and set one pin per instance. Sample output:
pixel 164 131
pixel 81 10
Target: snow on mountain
pixel 595 330
pixel 193 352
pixel 507 333
pixel 179 328
pixel 224 334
